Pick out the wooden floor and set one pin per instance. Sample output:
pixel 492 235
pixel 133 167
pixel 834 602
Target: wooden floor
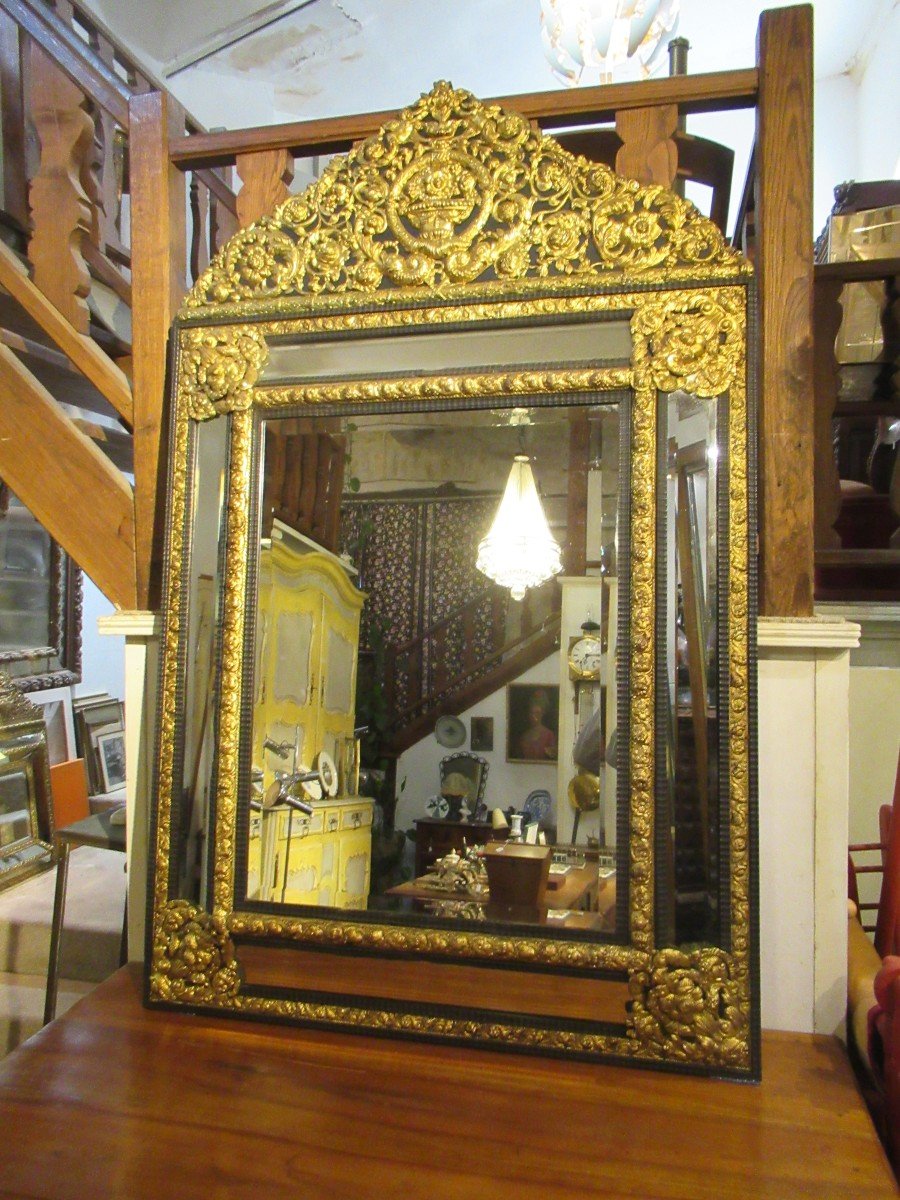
pixel 115 1101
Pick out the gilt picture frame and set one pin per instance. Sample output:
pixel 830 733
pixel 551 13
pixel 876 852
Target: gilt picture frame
pixel 650 262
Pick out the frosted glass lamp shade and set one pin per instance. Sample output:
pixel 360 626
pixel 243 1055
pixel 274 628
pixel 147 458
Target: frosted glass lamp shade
pixel 597 41
pixel 519 550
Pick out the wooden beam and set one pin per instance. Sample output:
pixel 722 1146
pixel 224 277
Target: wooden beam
pixel 103 270
pixel 159 258
pixel 785 261
pixel 69 484
pixel 551 110
pixel 82 351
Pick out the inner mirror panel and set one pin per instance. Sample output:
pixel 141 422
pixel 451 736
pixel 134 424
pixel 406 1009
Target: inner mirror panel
pixel 690 688
pixel 203 541
pixel 449 710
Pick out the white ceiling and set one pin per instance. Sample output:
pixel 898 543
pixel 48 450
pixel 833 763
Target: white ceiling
pixel 329 57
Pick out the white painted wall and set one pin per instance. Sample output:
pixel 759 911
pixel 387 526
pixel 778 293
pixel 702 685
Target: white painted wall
pixel 102 658
pixel 804 695
pixel 879 100
pixel 835 142
pixel 874 726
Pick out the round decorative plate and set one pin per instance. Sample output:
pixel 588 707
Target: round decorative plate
pixel 437 806
pixel 450 732
pixel 538 805
pixel 327 772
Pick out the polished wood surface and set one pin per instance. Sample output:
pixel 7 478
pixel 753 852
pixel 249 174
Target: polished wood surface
pixel 784 256
pixel 563 107
pixel 464 986
pixel 159 252
pixel 115 1101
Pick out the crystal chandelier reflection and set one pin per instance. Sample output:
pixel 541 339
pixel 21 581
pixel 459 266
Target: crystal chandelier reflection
pixel 519 550
pixel 597 41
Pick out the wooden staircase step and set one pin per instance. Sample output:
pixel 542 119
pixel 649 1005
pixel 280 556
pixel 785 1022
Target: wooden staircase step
pixel 83 351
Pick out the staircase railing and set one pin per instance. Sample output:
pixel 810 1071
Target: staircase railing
pixel 71 96
pixel 463 657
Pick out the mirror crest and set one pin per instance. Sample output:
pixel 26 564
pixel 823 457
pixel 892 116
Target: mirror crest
pixel 455 207
pixel 454 192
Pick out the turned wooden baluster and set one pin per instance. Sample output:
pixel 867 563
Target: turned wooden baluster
pixel 265 176
pixel 223 224
pixel 648 152
pixel 201 216
pixel 60 209
pixel 12 124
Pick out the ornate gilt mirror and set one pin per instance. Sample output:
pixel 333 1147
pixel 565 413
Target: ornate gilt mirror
pixel 461 313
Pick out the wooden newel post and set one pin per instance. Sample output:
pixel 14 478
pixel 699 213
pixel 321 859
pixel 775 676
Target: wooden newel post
pixel 159 257
pixel 785 264
pixel 60 209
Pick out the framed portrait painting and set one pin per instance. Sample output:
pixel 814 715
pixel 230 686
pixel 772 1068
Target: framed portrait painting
pixel 532 722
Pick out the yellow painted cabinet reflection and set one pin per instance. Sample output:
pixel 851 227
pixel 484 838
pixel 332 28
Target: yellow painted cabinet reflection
pixel 307 642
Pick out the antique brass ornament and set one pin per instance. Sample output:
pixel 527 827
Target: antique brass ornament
pixel 458 214
pixel 453 192
pixel 688 1004
pixel 26 802
pixel 193 958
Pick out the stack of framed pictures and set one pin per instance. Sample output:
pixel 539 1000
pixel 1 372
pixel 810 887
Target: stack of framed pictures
pixel 100 733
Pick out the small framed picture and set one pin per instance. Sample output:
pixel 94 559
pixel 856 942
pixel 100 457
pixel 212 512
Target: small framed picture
pixel 481 735
pixel 111 750
pixel 532 722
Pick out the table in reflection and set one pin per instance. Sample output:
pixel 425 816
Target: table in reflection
pixel 580 897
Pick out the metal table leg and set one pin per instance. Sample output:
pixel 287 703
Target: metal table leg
pixel 59 909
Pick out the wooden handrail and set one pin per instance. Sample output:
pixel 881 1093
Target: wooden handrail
pixel 72 55
pixel 576 106
pixel 80 349
pixel 538 646
pixel 859 271
pixel 86 69
pixel 427 634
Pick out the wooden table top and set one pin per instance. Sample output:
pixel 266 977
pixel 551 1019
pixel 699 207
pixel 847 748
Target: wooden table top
pixel 112 1100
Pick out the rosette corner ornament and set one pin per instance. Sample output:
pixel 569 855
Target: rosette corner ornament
pixel 193 957
pixel 219 369
pixel 689 1004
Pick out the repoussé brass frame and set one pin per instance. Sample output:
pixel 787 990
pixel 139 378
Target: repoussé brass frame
pixel 372 248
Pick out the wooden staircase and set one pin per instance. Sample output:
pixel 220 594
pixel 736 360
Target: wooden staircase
pixel 464 657
pixel 81 400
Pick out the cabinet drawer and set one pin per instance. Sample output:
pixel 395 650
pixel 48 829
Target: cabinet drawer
pixel 359 817
pixel 301 826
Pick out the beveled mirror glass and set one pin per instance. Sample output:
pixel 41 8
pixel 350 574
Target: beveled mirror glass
pixel 457 704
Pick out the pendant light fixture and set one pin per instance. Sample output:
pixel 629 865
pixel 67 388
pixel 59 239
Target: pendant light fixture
pixel 519 551
pixel 598 41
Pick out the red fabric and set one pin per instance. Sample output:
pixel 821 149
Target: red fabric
pixel 884 1048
